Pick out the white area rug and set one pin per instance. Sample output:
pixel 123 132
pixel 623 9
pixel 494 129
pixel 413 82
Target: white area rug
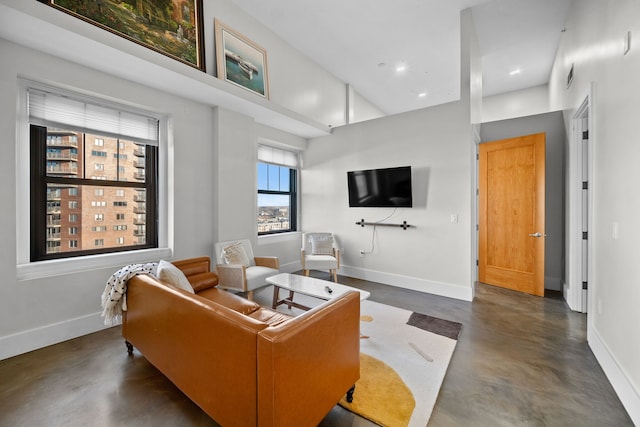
pixel 419 357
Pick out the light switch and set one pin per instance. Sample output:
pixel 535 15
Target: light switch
pixel 454 218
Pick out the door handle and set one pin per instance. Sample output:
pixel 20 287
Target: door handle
pixel 538 234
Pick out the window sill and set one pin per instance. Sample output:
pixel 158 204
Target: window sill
pixel 59 267
pixel 268 239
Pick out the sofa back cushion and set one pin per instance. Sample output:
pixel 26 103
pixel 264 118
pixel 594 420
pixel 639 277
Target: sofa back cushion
pixel 229 300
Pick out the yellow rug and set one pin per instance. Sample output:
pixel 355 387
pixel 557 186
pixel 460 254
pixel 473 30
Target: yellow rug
pixel 380 395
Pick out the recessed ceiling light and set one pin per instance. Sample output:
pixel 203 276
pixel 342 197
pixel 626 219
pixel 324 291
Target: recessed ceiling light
pixel 400 68
pixel 515 72
pixel 422 94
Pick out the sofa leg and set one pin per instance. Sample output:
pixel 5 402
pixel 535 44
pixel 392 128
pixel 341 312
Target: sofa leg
pixel 250 295
pixel 306 273
pixel 334 274
pixel 129 347
pixel 350 393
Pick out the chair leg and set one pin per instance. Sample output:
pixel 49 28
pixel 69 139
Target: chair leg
pixel 306 273
pixel 334 273
pixel 250 295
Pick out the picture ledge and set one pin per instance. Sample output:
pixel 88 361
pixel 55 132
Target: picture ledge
pixel 99 49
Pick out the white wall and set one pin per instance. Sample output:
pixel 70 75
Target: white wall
pixel 43 311
pixel 435 255
pixel 432 257
pixel 594 44
pixel 296 82
pixel 521 103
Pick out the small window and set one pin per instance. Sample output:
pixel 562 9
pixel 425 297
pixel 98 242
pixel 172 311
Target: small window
pixel 277 190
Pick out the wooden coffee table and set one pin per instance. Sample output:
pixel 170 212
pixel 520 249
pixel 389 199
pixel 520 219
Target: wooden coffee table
pixel 309 286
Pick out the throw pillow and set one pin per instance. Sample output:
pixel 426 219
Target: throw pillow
pixel 322 246
pixel 235 254
pixel 171 274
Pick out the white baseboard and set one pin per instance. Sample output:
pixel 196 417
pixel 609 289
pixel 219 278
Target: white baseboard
pixel 33 339
pixel 421 285
pixel 628 394
pixel 291 267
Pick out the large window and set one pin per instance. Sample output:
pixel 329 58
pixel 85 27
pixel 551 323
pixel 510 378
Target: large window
pixel 277 190
pixel 67 173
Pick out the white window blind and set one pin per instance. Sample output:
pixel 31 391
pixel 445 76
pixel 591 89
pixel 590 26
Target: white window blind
pixel 277 156
pixel 62 112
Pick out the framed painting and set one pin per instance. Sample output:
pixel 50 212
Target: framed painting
pixel 171 27
pixel 241 61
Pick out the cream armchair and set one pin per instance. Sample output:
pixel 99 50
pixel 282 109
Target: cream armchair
pixel 239 270
pixel 320 252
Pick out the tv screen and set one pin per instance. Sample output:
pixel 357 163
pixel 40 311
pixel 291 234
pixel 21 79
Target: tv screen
pixel 380 188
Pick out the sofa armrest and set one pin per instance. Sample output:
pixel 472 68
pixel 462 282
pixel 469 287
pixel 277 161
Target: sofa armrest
pixel 311 360
pixel 268 261
pixel 232 276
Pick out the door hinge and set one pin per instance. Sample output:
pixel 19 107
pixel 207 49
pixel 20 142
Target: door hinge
pixel 584 285
pixel 477 156
pixel 477 262
pixel 585 134
pixel 585 185
pixel 585 235
pixel 477 227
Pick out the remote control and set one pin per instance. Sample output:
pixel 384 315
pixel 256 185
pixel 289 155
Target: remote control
pixel 328 289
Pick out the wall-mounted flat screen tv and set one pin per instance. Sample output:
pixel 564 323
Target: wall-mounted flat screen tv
pixel 380 188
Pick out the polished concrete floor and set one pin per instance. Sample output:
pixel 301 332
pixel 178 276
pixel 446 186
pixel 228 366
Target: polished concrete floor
pixel 520 361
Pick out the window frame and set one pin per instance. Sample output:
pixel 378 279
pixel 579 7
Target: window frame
pixel 28 270
pixel 40 180
pixel 282 158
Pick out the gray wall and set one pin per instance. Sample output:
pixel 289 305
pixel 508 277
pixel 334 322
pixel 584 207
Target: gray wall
pixel 553 125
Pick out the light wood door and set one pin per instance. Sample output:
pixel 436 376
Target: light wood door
pixel 511 211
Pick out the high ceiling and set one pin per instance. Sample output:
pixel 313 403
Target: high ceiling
pixel 366 43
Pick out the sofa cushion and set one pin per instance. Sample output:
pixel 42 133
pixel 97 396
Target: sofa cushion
pixel 172 275
pixel 229 300
pixel 270 317
pixel 235 254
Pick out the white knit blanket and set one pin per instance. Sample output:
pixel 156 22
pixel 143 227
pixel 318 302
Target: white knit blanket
pixel 114 297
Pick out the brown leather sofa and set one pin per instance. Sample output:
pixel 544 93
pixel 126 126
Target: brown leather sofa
pixel 243 364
